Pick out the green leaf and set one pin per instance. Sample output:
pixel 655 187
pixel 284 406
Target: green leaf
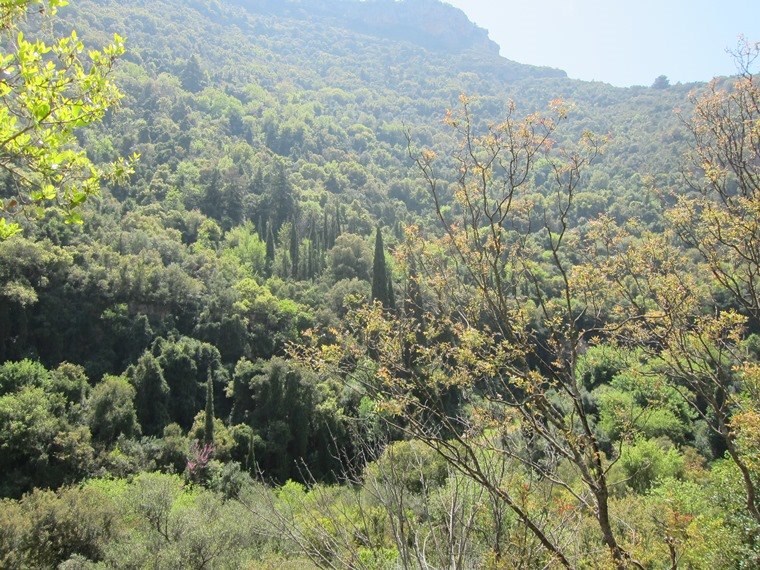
pixel 73 218
pixel 48 192
pixel 8 229
pixel 42 111
pixel 78 198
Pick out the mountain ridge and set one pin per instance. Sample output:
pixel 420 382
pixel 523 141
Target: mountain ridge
pixel 429 23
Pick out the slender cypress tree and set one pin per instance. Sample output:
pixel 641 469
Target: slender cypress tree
pixel 293 249
pixel 380 273
pixel 213 200
pixel 325 229
pixel 338 216
pixel 208 428
pixel 270 250
pixel 261 228
pixel 257 182
pixel 282 201
pixel 391 294
pixel 310 270
pixel 234 207
pixel 311 265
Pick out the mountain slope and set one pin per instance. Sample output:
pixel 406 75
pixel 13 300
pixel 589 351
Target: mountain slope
pixel 247 121
pixel 313 70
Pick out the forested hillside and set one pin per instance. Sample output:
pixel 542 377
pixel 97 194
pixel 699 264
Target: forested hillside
pixel 358 292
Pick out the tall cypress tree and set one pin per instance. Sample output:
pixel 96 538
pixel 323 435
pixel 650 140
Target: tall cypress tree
pixel 234 207
pixel 338 216
pixel 270 250
pixel 312 265
pixel 281 198
pixel 380 273
pixel 261 228
pixel 325 229
pixel 293 249
pixel 213 200
pixel 208 428
pixel 257 182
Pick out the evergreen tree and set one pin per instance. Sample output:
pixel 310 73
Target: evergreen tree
pixel 294 249
pixel 208 428
pixel 257 182
pixel 234 206
pixel 310 261
pixel 270 249
pixel 261 228
pixel 380 273
pixel 192 76
pixel 281 199
pixel 326 230
pixel 152 394
pixel 338 217
pixel 312 265
pixel 213 199
pixel 391 294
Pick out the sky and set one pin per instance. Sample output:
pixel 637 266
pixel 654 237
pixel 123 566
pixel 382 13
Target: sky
pixel 622 42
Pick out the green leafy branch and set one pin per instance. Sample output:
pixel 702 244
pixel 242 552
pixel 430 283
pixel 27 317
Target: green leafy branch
pixel 46 93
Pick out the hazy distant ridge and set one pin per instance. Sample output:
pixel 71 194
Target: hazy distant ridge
pixel 429 23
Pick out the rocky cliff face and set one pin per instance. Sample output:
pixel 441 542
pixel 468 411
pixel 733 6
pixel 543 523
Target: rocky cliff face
pixel 429 23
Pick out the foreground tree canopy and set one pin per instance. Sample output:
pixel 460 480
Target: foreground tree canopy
pixel 48 91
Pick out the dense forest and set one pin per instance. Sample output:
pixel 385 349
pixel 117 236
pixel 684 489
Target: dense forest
pixel 330 283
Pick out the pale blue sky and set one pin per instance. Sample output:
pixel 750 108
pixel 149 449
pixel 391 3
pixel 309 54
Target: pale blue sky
pixel 622 42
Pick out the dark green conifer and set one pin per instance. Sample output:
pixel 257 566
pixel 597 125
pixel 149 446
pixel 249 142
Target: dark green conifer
pixel 234 207
pixel 281 198
pixel 338 218
pixel 261 228
pixel 257 182
pixel 311 265
pixel 294 249
pixel 270 250
pixel 208 428
pixel 213 200
pixel 391 294
pixel 326 230
pixel 192 76
pixel 380 273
